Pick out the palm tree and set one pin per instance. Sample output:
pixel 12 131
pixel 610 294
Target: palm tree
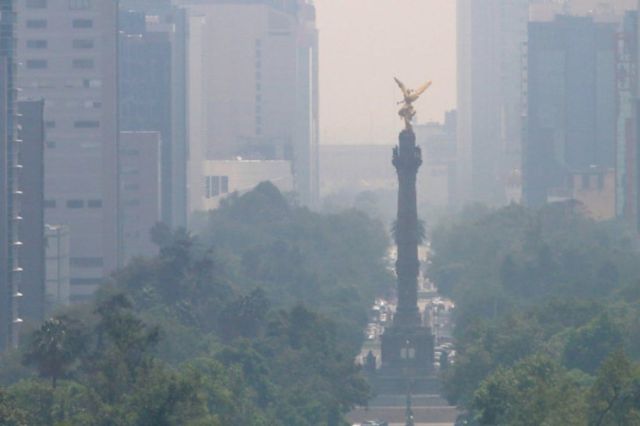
pixel 52 349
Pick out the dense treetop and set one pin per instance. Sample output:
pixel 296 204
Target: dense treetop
pixel 254 320
pixel 548 307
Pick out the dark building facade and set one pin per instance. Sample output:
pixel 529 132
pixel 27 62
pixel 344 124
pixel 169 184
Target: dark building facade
pixel 627 138
pixel 152 90
pixel 31 228
pixel 491 40
pixel 9 190
pixel 570 124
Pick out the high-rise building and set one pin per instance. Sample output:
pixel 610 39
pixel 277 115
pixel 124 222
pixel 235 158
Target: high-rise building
pixel 67 53
pixel 152 90
pixel 492 37
pixel 627 164
pixel 258 75
pixel 31 227
pixel 140 195
pixel 10 271
pixel 437 181
pixel 571 114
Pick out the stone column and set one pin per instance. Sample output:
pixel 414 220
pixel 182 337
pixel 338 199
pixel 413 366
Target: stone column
pixel 407 159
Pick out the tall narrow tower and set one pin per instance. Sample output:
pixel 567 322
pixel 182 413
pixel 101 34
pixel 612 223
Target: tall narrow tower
pixel 9 190
pixel 407 158
pixel 407 344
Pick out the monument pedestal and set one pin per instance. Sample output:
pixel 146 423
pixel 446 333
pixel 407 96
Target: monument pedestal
pixel 407 350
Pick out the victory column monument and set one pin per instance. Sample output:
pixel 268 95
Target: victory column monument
pixel 406 384
pixel 407 346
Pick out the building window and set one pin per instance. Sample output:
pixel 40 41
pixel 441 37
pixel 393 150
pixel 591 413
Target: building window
pixel 85 281
pixel 91 104
pixel 86 262
pixel 49 204
pixel 131 187
pixel 51 144
pixel 36 4
pixel 75 204
pixel 36 23
pixel 83 64
pixel 585 181
pixel 36 64
pixel 79 4
pixel 37 44
pixel 600 182
pixel 94 204
pixel 92 83
pixel 82 23
pixel 215 186
pixel 86 124
pixel 50 124
pixel 83 43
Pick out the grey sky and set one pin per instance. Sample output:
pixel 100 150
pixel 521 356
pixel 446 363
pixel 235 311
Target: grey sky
pixel 363 45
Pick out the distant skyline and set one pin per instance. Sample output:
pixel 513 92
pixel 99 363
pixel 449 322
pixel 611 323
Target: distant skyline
pixel 363 45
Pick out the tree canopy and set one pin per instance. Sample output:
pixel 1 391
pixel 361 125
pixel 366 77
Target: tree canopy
pixel 544 300
pixel 254 319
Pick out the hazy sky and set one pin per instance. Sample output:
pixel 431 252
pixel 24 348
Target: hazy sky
pixel 363 45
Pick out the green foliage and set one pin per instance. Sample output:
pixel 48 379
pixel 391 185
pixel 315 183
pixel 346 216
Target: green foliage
pixel 535 392
pixel 614 398
pixel 332 262
pixel 547 288
pixel 227 327
pixel 589 345
pixel 54 347
pixel 10 415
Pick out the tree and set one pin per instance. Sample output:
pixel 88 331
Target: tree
pixel 614 399
pixel 245 316
pixel 589 345
pixel 535 392
pixel 53 348
pixel 10 415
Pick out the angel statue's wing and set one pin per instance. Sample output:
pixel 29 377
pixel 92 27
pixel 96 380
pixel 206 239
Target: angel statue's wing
pixel 401 86
pixel 420 90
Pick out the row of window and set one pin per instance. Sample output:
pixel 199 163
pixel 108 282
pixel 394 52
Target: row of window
pixel 80 124
pixel 73 4
pixel 216 185
pixel 78 64
pixel 75 204
pixel 39 24
pixel 258 66
pixel 79 43
pixel 86 262
pixel 84 281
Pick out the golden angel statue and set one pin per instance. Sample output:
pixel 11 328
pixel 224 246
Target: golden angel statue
pixel 407 112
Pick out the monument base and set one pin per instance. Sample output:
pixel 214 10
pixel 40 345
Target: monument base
pixel 407 350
